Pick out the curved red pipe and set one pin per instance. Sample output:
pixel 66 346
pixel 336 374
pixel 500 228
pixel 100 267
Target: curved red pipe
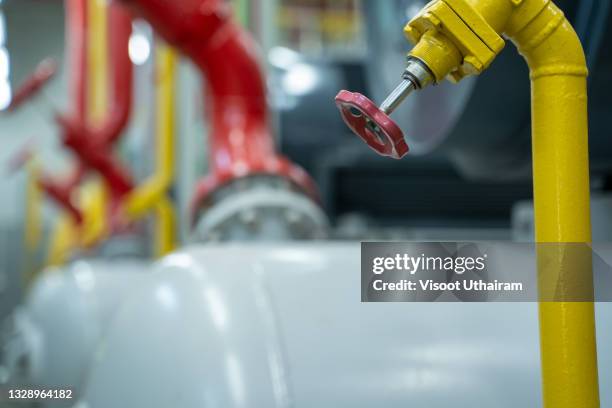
pixel 76 50
pixel 91 144
pixel 241 140
pixel 97 157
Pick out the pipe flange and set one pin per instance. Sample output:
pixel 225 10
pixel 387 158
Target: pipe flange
pixel 261 208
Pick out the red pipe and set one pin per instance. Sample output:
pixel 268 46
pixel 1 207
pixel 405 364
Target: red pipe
pixel 44 72
pixel 93 145
pixel 120 67
pixel 76 45
pixel 242 143
pixel 96 156
pixel 62 195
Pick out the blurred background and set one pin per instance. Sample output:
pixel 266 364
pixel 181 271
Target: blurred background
pixel 468 176
pixel 470 163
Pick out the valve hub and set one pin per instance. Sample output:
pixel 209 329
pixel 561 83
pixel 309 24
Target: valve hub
pixel 372 125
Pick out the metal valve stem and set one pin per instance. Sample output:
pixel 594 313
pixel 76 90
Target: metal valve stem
pixel 399 94
pixel 416 76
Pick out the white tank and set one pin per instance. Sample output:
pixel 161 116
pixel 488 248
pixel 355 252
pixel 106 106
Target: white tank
pixel 283 326
pixel 50 340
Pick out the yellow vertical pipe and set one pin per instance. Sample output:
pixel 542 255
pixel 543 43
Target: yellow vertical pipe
pixel 562 198
pixel 144 197
pixel 33 220
pixel 97 66
pixel 165 227
pixel 66 234
pixel 33 211
pixel 165 212
pixel 94 198
pixel 151 195
pixel 63 239
pixel 558 72
pixel 94 201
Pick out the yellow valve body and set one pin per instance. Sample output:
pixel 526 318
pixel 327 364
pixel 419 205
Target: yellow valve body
pixel 478 43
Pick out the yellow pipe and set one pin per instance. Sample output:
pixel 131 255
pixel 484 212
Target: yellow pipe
pixel 33 220
pixel 558 70
pixel 562 199
pixel 33 212
pixel 144 198
pixel 94 196
pixel 66 235
pixel 64 238
pixel 165 228
pixel 97 54
pixel 151 195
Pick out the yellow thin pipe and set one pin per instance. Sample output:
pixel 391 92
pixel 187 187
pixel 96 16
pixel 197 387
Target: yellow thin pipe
pixel 97 56
pixel 33 211
pixel 145 197
pixel 151 195
pixel 33 220
pixel 66 236
pixel 94 197
pixel 165 227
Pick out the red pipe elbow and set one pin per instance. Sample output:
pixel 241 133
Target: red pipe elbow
pixel 96 156
pixel 241 140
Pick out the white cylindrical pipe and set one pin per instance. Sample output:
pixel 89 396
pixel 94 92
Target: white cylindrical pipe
pixel 283 326
pixel 55 333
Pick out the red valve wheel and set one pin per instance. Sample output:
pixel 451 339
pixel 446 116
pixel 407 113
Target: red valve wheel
pixel 372 125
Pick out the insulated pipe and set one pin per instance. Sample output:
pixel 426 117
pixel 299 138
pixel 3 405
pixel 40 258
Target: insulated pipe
pixel 241 140
pixel 457 38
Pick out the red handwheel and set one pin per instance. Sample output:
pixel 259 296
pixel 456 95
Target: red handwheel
pixel 372 125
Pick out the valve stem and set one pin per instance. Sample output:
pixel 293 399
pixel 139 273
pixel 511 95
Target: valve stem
pixel 399 94
pixel 416 76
